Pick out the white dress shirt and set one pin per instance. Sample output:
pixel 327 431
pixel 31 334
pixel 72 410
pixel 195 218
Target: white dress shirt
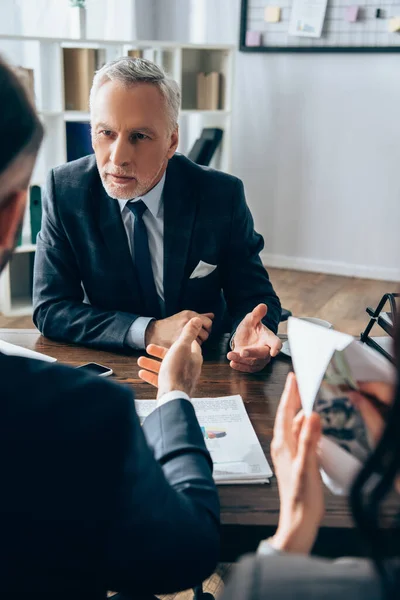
pixel 153 218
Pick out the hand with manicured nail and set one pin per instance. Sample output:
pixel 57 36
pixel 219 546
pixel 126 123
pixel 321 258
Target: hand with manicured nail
pixel 254 343
pixel 295 457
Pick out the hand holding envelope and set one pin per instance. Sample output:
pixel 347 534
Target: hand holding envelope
pixel 334 374
pixel 345 390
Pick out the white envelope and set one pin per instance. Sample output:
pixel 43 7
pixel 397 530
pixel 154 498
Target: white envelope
pixel 312 348
pixel 13 350
pixel 202 270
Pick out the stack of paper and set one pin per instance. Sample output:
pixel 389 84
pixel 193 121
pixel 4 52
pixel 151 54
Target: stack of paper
pixel 230 438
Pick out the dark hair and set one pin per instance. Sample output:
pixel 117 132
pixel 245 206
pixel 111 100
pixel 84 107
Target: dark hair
pixel 369 491
pixel 19 123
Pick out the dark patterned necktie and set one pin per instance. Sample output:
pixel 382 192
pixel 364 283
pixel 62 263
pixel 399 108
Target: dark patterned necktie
pixel 142 258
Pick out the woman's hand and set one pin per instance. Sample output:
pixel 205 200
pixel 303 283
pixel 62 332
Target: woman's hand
pixel 373 400
pixel 294 454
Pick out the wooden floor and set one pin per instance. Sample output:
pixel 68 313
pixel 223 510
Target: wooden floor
pixel 340 300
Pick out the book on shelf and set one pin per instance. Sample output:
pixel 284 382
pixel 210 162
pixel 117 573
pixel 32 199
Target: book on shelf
pixel 209 91
pixel 79 67
pixel 79 141
pixel 205 146
pixel 229 436
pixel 35 211
pixel 135 53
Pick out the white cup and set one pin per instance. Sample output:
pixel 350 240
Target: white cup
pixel 316 321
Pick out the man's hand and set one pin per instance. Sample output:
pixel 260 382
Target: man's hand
pixel 254 344
pixel 294 454
pixel 180 366
pixel 166 331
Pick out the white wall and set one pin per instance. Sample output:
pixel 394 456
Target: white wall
pixel 316 140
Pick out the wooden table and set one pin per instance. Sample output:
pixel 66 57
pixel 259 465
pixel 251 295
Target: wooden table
pixel 249 513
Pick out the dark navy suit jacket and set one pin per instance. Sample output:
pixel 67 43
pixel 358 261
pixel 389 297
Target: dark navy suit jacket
pixel 90 500
pixel 83 244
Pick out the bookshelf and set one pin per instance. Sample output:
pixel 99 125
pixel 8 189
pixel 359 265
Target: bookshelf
pixel 55 63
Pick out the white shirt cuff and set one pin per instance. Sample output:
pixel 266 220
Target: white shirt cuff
pixel 136 336
pixel 174 395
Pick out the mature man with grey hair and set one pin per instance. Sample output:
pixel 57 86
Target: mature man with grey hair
pixel 137 239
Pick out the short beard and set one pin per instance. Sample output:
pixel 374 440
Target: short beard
pixel 141 188
pixel 115 195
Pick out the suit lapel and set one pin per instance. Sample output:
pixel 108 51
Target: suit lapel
pixel 180 207
pixel 114 235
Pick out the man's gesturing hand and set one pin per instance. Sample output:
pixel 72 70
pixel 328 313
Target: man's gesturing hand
pixel 254 343
pixel 166 331
pixel 179 367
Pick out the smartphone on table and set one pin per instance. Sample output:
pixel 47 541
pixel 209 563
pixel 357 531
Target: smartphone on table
pixel 96 369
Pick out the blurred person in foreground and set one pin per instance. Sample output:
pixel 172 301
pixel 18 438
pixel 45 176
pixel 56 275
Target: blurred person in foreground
pixel 92 501
pixel 282 568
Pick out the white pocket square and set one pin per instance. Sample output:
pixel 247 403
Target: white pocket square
pixel 202 270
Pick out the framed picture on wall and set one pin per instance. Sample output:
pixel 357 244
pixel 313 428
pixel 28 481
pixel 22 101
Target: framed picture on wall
pixel 321 26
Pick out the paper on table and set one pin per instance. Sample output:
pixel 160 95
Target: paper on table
pixel 13 350
pixel 229 436
pixel 307 18
pixel 313 350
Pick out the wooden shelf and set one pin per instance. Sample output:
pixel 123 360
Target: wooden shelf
pixel 76 115
pixel 50 113
pixel 132 45
pixel 25 248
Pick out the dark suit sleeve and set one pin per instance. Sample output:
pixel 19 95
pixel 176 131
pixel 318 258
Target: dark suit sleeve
pixel 59 310
pixel 164 532
pixel 245 280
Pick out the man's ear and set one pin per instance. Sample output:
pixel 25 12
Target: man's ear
pixel 12 211
pixel 174 141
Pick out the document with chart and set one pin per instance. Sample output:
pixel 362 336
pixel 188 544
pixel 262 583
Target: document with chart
pixel 307 18
pixel 230 438
pixel 332 369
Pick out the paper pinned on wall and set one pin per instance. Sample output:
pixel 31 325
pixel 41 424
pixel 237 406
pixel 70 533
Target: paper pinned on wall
pixel 253 38
pixel 351 14
pixel 307 18
pixel 272 14
pixel 394 24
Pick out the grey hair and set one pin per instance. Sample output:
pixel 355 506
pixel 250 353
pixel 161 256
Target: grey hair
pixel 131 71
